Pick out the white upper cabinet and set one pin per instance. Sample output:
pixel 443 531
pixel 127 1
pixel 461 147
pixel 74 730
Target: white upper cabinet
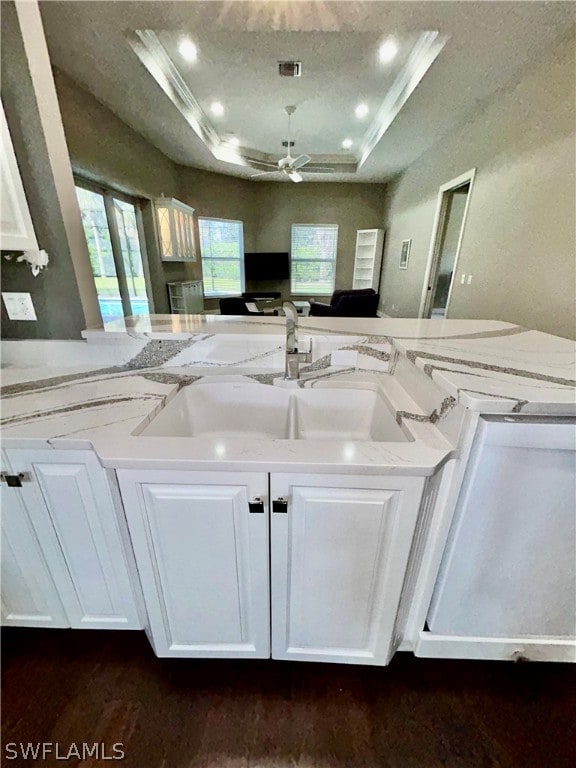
pixel 340 548
pixel 16 229
pixel 368 258
pixel 69 504
pixel 176 230
pixel 203 560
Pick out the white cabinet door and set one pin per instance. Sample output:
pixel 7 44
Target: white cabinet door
pixel 507 584
pixel 203 560
pixel 16 230
pixel 339 553
pixel 70 505
pixel 29 595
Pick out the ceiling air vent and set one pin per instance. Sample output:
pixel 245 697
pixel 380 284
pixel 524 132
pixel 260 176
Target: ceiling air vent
pixel 289 68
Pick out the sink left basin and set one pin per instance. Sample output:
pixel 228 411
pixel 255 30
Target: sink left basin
pixel 224 410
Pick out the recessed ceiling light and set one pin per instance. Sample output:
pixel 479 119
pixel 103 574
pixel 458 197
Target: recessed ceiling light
pixel 347 143
pixel 234 141
pixel 217 108
pixel 361 110
pixel 187 49
pixel 387 51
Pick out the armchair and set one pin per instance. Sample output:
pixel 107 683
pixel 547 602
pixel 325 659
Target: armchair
pixel 235 305
pixel 348 303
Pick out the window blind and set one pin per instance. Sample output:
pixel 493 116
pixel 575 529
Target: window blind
pixel 313 258
pixel 222 251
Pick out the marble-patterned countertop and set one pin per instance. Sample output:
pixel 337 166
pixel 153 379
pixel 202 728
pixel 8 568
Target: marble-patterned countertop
pixel 487 365
pixel 100 393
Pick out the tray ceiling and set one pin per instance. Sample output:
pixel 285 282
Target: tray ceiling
pixel 450 57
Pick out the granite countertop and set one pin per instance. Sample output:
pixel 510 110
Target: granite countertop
pixel 486 366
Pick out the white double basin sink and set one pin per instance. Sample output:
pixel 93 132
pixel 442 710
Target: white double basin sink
pixel 254 410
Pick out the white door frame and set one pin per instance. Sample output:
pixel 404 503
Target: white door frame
pixel 434 250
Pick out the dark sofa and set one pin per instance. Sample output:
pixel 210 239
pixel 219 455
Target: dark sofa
pixel 348 303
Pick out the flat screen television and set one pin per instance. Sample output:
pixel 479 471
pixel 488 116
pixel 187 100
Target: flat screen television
pixel 267 266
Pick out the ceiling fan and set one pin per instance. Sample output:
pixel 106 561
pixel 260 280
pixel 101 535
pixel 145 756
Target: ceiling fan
pixel 290 166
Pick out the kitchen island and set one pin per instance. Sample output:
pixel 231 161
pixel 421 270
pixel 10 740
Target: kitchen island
pixel 358 541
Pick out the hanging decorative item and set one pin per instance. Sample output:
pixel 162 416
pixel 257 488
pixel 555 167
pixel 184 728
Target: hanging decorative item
pixel 175 226
pixel 37 260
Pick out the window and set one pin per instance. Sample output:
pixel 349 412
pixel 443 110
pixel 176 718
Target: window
pixel 313 258
pixel 222 251
pixel 112 229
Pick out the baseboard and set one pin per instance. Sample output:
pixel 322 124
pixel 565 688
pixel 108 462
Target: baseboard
pixel 382 314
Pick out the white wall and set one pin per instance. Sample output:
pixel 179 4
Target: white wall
pixel 520 234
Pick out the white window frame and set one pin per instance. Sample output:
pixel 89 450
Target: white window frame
pixel 214 294
pixel 293 261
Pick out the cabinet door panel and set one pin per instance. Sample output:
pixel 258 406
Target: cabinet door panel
pixel 203 560
pixel 509 568
pixel 29 596
pixel 72 509
pixel 338 561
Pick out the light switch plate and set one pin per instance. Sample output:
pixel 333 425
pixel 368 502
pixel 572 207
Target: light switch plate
pixel 19 306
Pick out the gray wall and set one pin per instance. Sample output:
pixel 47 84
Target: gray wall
pixel 55 291
pixel 520 233
pixel 104 149
pixel 351 206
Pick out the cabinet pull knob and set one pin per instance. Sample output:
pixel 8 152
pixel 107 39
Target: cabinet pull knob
pixel 280 505
pixel 14 481
pixel 256 505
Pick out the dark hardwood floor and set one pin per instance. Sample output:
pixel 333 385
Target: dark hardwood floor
pixel 73 686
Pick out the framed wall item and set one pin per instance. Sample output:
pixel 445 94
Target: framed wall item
pixel 405 253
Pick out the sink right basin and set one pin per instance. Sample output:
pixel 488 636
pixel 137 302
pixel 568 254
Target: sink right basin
pixel 345 414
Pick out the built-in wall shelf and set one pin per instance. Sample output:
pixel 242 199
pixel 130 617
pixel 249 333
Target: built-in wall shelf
pixel 368 258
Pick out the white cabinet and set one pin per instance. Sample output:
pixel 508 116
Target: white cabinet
pixel 507 585
pixel 186 297
pixel 203 560
pixel 16 230
pixel 338 551
pixel 67 500
pixel 29 595
pixel 176 230
pixel 339 554
pixel 368 258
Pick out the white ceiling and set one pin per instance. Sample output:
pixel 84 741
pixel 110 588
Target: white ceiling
pixel 239 44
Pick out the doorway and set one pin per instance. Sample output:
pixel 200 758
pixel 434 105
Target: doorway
pixel 451 212
pixel 113 230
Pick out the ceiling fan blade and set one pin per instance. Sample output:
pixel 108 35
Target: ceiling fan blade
pixel 300 161
pixel 264 164
pixel 295 177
